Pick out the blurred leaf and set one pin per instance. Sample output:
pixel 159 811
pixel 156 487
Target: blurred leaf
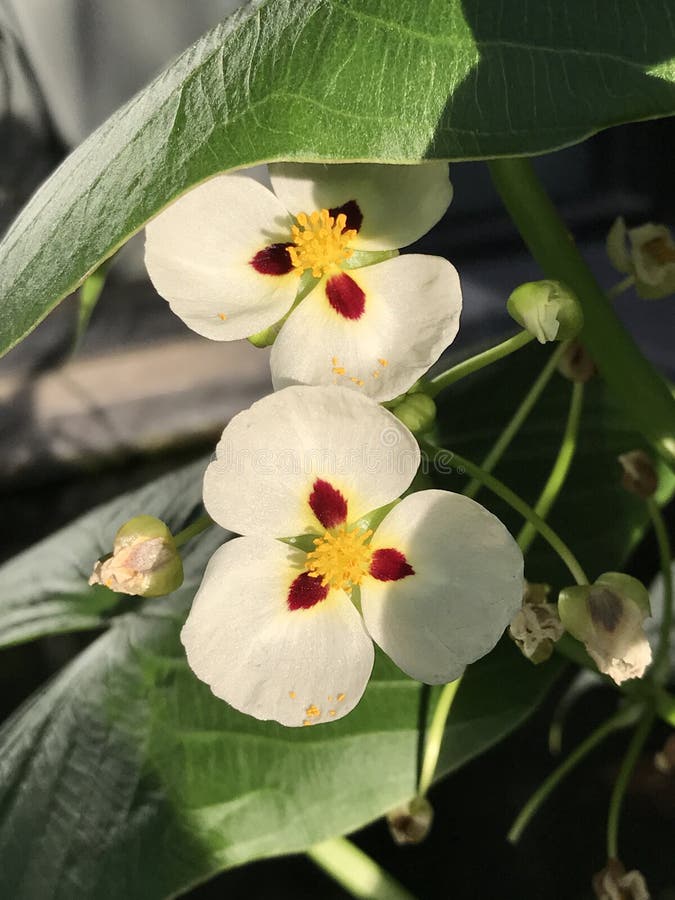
pixel 384 80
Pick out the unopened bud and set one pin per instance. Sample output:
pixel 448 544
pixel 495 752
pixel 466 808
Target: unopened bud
pixel 576 363
pixel 547 309
pixel 536 626
pixel 417 412
pixel 614 883
pixel 646 252
pixel 144 561
pixel 411 822
pixel 639 473
pixel 607 618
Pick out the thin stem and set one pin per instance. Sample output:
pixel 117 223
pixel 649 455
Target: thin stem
pixel 618 720
pixel 516 422
pixel 560 469
pixel 510 497
pixel 434 740
pixel 661 668
pixel 201 524
pixel 474 363
pixel 636 384
pixel 621 286
pixel 358 874
pixel 623 779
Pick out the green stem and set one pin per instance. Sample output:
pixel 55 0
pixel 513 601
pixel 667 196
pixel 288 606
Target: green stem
pixel 618 793
pixel 434 739
pixel 474 363
pixel 621 286
pixel 201 524
pixel 661 668
pixel 634 381
pixel 560 469
pixel 517 503
pixel 619 720
pixel 358 874
pixel 515 424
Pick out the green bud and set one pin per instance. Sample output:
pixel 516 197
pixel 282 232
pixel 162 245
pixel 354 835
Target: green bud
pixel 607 618
pixel 547 309
pixel 417 412
pixel 144 561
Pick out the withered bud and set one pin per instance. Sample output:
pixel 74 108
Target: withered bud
pixel 607 618
pixel 576 363
pixel 646 252
pixel 639 473
pixel 144 561
pixel 614 883
pixel 536 626
pixel 411 822
pixel 664 760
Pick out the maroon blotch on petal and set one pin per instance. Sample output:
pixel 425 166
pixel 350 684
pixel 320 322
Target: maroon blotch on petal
pixel 352 211
pixel 390 565
pixel 306 592
pixel 273 260
pixel 328 504
pixel 345 296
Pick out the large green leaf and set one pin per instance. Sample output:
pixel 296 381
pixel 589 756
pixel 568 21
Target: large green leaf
pixel 143 783
pixel 387 80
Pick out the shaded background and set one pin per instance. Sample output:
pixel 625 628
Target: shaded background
pixel 144 394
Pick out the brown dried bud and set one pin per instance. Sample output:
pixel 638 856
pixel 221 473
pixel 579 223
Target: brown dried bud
pixel 411 822
pixel 639 473
pixel 576 363
pixel 614 883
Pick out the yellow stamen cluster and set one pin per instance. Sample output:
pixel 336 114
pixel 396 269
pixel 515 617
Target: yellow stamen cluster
pixel 320 242
pixel 340 559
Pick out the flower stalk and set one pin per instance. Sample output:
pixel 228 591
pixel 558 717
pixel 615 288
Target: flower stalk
pixel 356 872
pixel 477 362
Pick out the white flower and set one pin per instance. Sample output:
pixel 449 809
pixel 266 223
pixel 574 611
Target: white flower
pixel 285 631
pixel 646 252
pixel 229 256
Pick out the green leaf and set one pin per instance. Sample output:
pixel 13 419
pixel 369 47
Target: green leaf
pixel 601 522
pixel 385 80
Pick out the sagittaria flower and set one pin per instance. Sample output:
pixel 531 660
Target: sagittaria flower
pixel 284 630
pixel 229 256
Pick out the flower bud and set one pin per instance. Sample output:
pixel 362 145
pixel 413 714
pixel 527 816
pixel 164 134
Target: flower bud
pixel 576 363
pixel 614 883
pixel 607 618
pixel 664 760
pixel 646 252
pixel 547 309
pixel 410 823
pixel 639 473
pixel 417 412
pixel 144 561
pixel 536 626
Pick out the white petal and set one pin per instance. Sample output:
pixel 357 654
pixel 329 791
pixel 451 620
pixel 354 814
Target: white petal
pixel 294 666
pixel 411 314
pixel 467 586
pixel 399 203
pixel 271 455
pixel 198 254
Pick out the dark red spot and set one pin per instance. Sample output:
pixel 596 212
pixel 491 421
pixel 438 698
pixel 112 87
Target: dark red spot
pixel 273 260
pixel 353 213
pixel 328 504
pixel 345 296
pixel 306 592
pixel 390 565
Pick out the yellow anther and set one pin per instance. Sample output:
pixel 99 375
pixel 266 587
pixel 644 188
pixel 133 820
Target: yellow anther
pixel 341 697
pixel 376 373
pixel 291 694
pixel 336 361
pixel 341 559
pixel 312 711
pixel 307 722
pixel 384 363
pixel 222 316
pixel 331 712
pixel 320 242
pixel 357 381
pixel 338 370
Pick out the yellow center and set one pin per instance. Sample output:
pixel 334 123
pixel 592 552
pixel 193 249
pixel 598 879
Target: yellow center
pixel 320 242
pixel 660 250
pixel 340 559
